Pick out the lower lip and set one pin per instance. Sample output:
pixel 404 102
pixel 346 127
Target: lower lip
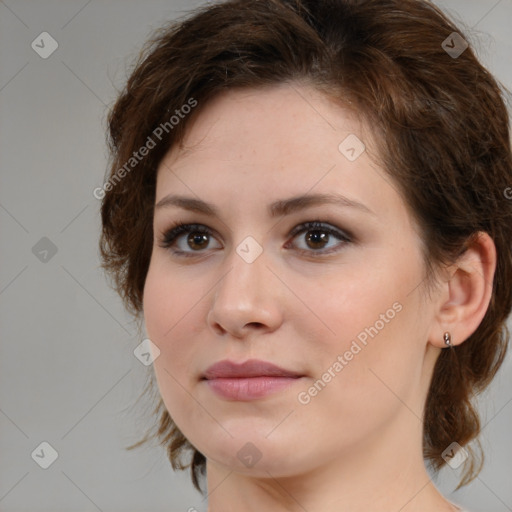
pixel 250 388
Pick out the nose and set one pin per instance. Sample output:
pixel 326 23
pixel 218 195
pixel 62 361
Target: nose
pixel 247 299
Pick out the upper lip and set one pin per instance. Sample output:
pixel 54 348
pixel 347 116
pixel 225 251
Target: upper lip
pixel 250 368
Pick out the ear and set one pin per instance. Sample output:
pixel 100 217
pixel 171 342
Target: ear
pixel 465 296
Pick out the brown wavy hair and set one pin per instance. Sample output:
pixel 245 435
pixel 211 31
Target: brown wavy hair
pixel 442 131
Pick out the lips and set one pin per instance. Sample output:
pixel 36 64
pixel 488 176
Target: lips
pixel 251 380
pixel 252 368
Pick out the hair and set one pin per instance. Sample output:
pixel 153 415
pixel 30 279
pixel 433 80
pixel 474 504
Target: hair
pixel 441 127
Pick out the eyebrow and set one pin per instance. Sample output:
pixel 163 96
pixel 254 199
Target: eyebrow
pixel 278 208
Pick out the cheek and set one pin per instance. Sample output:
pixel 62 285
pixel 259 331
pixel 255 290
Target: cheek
pixel 374 349
pixel 361 300
pixel 170 301
pixel 170 316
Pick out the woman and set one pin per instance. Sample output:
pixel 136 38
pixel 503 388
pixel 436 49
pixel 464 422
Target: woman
pixel 307 206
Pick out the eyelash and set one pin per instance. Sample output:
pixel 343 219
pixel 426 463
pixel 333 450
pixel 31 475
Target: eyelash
pixel 179 228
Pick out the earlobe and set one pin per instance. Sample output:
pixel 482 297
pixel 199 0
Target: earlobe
pixel 467 293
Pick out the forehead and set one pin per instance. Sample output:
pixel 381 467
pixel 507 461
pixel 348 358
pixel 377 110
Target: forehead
pixel 279 118
pixel 246 149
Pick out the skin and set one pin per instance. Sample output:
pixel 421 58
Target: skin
pixel 356 445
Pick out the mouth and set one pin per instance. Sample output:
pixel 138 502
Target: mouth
pixel 250 380
pixel 251 388
pixel 227 369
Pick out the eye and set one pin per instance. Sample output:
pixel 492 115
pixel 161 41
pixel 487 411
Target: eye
pixel 320 238
pixel 196 237
pixel 187 239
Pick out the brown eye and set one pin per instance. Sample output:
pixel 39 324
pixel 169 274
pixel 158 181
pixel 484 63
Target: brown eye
pixel 198 241
pixel 187 239
pixel 317 239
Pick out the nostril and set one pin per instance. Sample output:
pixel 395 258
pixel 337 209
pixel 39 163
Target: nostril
pixel 257 325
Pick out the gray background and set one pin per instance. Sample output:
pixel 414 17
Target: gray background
pixel 68 375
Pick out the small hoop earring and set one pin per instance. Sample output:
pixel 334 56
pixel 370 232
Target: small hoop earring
pixel 448 339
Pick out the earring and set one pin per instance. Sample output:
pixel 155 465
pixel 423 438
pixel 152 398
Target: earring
pixel 447 339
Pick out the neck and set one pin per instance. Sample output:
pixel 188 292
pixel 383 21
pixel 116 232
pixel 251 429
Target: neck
pixel 384 473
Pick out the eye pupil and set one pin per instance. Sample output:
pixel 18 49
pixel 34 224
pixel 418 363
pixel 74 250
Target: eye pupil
pixel 317 237
pixel 200 240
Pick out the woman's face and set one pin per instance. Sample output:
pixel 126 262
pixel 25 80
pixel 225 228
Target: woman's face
pixel 339 302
